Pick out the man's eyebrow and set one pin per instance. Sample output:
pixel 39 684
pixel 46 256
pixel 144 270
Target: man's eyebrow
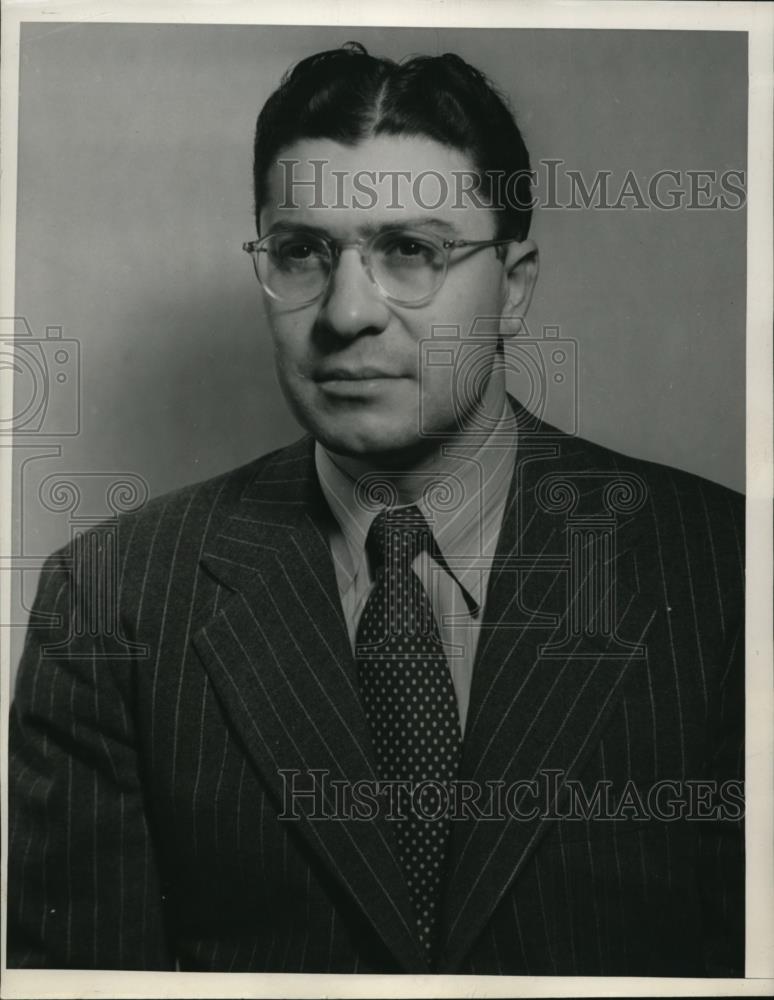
pixel 420 222
pixel 282 226
pixel 368 229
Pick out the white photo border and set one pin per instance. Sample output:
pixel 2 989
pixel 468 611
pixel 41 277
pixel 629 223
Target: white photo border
pixel 757 21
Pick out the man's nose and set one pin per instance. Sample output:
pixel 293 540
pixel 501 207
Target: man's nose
pixel 352 304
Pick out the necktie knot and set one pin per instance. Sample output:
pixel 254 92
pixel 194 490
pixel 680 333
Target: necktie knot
pixel 396 536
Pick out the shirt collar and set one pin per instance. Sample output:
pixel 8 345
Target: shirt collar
pixel 464 505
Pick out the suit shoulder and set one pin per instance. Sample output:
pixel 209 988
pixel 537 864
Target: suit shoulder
pixel 662 502
pixel 656 476
pixel 652 499
pixel 222 487
pixel 577 456
pixel 194 506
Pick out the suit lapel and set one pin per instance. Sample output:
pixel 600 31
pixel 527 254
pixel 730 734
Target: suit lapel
pixel 279 656
pixel 533 715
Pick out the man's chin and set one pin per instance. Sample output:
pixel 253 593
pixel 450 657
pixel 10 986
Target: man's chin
pixel 384 448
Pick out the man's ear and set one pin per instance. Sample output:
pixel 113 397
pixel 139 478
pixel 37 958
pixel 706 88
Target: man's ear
pixel 520 271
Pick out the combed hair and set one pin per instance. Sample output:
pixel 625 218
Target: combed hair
pixel 348 95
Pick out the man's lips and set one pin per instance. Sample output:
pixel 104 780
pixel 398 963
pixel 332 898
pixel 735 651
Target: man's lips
pixel 364 374
pixel 366 383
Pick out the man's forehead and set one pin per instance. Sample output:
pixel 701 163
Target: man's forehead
pixel 381 180
pixel 379 153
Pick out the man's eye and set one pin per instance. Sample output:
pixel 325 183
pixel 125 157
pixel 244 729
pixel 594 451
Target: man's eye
pixel 296 251
pixel 409 248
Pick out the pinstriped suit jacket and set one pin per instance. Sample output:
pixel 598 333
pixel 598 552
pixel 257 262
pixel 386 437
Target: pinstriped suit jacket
pixel 145 784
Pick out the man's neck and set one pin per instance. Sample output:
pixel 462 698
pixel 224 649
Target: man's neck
pixel 409 475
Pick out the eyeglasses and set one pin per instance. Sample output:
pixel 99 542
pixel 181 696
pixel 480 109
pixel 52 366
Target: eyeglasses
pixel 408 267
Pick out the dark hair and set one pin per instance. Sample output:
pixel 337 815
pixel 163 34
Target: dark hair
pixel 348 95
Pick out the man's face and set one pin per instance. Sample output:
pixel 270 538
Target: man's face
pixel 350 363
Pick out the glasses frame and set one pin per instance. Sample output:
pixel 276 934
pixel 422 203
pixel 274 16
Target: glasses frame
pixel 365 246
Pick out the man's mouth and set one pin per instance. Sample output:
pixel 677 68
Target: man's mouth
pixel 362 374
pixel 361 384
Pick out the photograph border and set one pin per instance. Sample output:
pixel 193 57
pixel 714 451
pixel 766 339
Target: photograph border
pixel 755 19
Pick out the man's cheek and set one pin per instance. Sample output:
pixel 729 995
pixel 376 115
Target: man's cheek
pixel 432 397
pixel 289 356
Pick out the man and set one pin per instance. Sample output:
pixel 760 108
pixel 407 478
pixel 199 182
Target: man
pixel 438 687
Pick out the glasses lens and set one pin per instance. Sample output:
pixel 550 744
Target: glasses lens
pixel 293 266
pixel 409 267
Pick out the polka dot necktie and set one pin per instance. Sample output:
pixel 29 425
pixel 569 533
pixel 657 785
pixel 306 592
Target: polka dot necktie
pixel 409 700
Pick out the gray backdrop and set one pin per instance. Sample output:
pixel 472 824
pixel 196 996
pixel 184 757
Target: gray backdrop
pixel 135 196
